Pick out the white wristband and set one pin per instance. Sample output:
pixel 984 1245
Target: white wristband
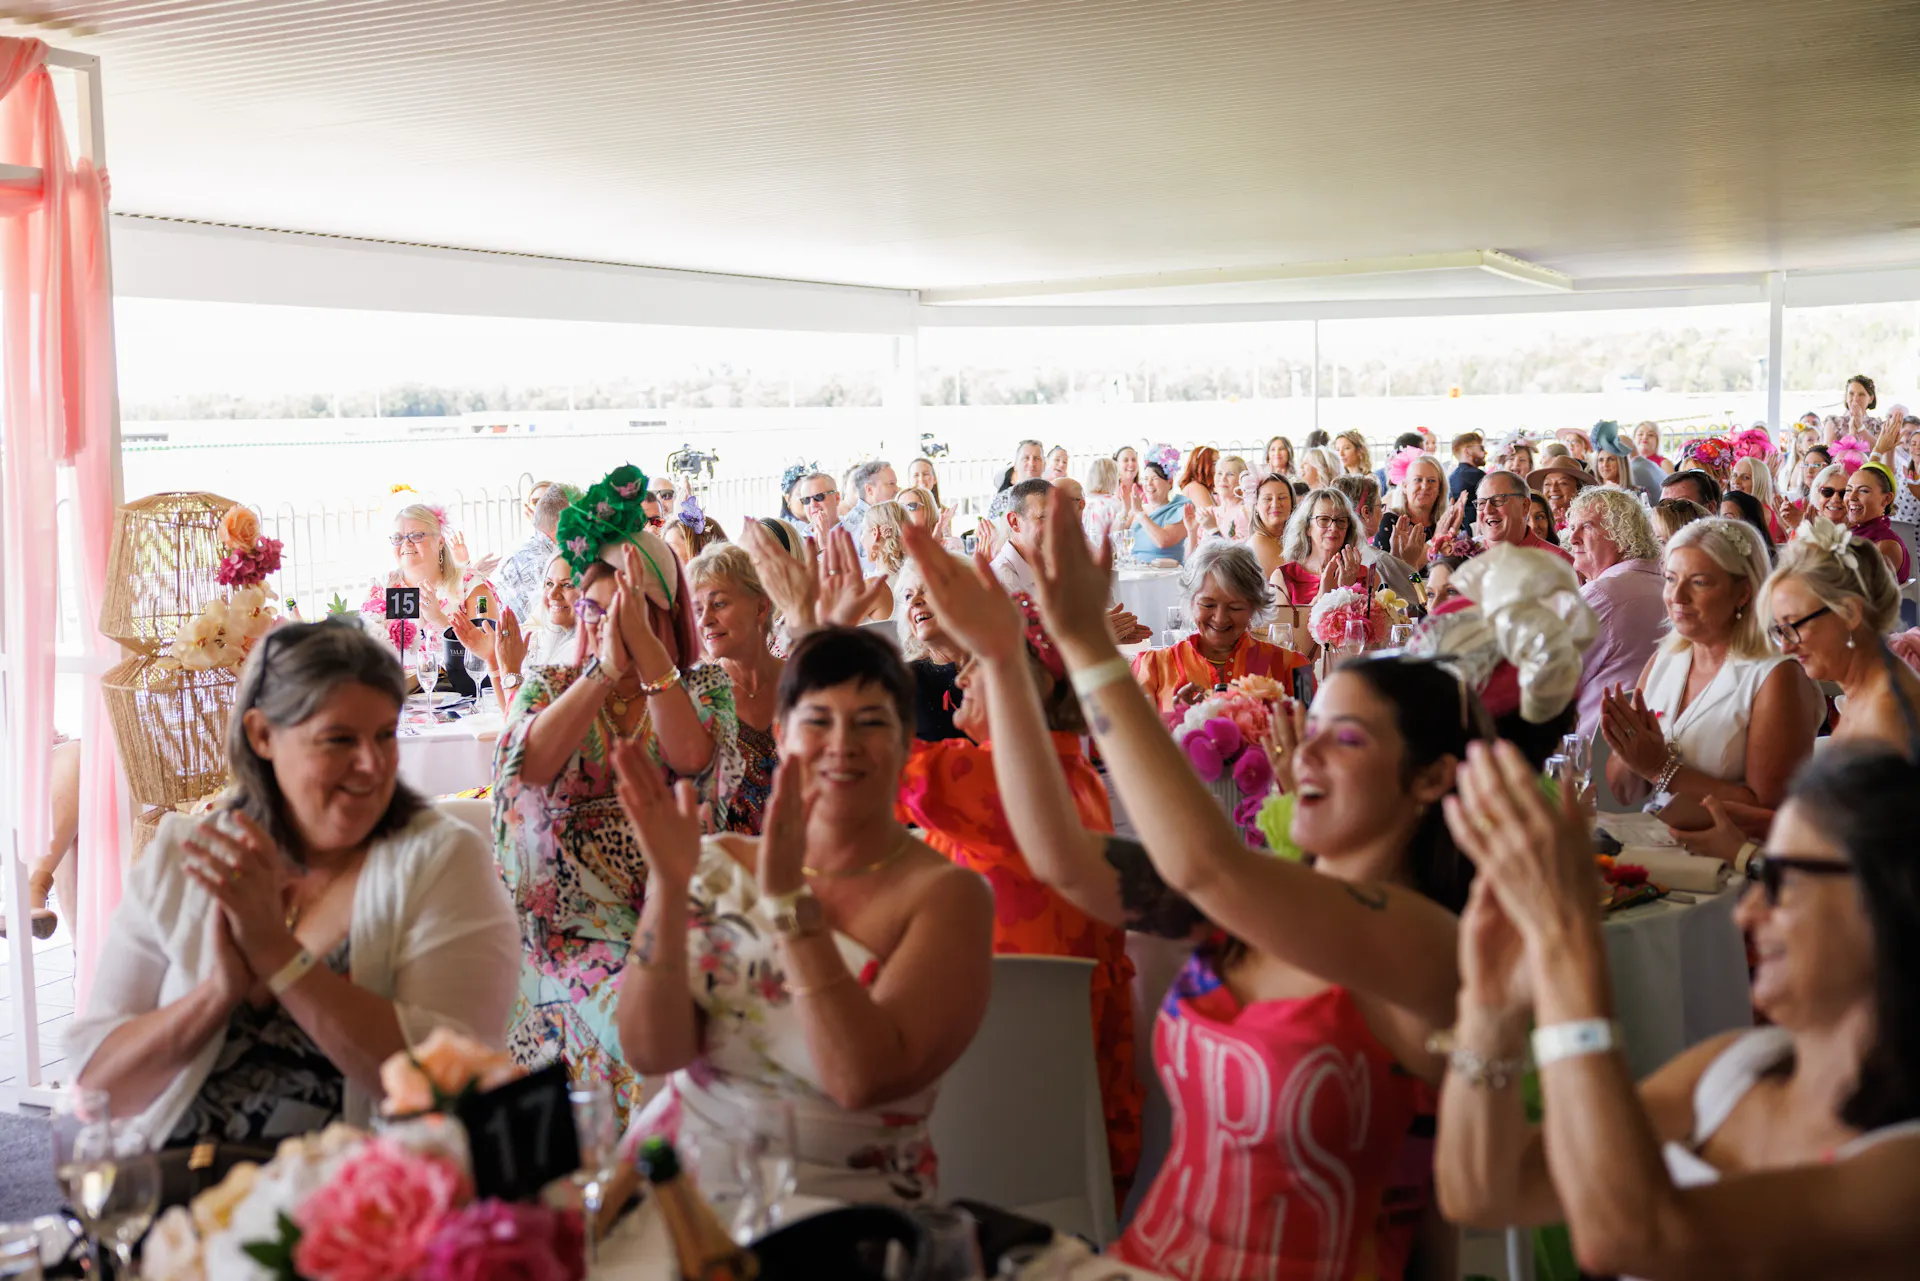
pixel 1574 1040
pixel 1100 675
pixel 290 973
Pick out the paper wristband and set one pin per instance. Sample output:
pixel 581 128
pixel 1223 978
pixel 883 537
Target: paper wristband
pixel 1101 675
pixel 290 973
pixel 1574 1040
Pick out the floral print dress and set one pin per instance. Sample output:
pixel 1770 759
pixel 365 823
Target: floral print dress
pixel 754 1047
pixel 574 868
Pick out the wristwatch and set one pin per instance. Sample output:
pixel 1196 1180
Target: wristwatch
pixel 510 681
pixel 795 914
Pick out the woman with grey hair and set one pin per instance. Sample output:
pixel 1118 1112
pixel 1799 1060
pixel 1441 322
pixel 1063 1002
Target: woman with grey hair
pixel 265 961
pixel 1718 711
pixel 1226 598
pixel 1322 546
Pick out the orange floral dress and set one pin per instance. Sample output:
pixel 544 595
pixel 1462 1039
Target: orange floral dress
pixel 949 793
pixel 1163 671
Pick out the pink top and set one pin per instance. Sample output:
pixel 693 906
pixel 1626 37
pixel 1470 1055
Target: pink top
pixel 1302 584
pixel 1290 1124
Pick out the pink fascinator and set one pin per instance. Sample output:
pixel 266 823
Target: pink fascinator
pixel 1849 452
pixel 1398 464
pixel 1754 442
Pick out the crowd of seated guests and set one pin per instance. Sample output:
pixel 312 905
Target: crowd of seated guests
pixel 751 847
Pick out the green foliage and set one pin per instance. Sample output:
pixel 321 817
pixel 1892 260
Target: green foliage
pixel 276 1256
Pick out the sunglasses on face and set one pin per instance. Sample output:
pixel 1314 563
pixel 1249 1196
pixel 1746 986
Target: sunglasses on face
pixel 1770 870
pixel 809 500
pixel 1828 493
pixel 408 540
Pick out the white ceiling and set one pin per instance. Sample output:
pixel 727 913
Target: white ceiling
pixel 964 144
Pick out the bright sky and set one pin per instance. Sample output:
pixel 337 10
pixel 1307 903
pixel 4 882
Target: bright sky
pixel 169 348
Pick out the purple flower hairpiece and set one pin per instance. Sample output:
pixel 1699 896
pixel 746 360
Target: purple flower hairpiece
pixel 688 513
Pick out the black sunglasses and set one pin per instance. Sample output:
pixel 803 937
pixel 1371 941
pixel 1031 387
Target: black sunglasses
pixel 1769 870
pixel 808 500
pixel 1827 491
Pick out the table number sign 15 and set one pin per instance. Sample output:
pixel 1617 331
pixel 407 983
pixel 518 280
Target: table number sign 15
pixel 403 602
pixel 521 1135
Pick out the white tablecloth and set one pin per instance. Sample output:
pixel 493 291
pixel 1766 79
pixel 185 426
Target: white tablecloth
pixel 1148 594
pixel 1679 976
pixel 437 760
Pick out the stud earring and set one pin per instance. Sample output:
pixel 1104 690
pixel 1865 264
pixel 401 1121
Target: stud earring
pixel 1849 640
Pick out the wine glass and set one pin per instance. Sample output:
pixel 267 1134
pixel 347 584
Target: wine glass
pixel 116 1187
pixel 73 1112
pixel 769 1166
pixel 953 1244
pixel 1281 634
pixel 1176 619
pixel 1399 635
pixel 1579 758
pixel 476 665
pixel 426 669
pixel 1356 638
pixel 715 1163
pixel 598 1126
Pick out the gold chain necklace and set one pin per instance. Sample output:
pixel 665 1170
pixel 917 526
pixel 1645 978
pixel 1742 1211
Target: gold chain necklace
pixel 898 852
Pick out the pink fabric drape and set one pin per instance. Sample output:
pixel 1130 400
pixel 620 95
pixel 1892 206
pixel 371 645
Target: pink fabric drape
pixel 57 351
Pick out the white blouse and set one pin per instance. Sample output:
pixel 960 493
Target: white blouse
pixel 432 930
pixel 1712 732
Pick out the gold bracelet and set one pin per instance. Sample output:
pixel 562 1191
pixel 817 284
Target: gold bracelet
pixel 836 981
pixel 649 688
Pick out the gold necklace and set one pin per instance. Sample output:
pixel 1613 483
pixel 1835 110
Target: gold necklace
pixel 886 860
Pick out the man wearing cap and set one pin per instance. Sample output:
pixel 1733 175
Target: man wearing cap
pixel 1558 482
pixel 1504 502
pixel 1469 456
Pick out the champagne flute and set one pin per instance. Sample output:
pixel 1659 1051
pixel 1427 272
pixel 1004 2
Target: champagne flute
pixel 769 1165
pixel 73 1112
pixel 1579 758
pixel 598 1126
pixel 426 668
pixel 122 1219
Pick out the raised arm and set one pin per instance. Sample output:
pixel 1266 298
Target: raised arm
pixel 874 1046
pixel 659 1029
pixel 1379 939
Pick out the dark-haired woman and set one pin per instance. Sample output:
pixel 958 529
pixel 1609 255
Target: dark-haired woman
pixel 1739 505
pixel 1295 1049
pixel 263 963
pixel 567 855
pixel 1791 1150
pixel 1160 529
pixel 1855 417
pixel 833 963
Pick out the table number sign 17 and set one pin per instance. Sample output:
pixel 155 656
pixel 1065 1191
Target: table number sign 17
pixel 521 1135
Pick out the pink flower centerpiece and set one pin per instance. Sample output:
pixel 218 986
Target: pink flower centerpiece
pixel 1222 736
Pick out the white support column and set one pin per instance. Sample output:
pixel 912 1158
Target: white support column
pixel 1316 375
pixel 1776 346
pixel 901 399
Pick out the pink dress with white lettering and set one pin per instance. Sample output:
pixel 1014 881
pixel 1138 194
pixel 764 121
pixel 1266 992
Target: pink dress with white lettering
pixel 1289 1121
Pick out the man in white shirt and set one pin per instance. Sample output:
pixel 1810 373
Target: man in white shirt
pixel 873 482
pixel 1013 564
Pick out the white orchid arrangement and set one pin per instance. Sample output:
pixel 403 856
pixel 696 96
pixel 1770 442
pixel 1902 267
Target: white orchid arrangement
pixel 224 632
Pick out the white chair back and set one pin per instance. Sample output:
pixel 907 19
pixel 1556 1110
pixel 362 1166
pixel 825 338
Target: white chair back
pixel 1019 1122
pixel 475 814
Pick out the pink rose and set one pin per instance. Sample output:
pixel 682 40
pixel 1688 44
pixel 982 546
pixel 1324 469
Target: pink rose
pixel 374 1220
pixel 1204 755
pixel 1225 735
pixel 1253 773
pixel 499 1241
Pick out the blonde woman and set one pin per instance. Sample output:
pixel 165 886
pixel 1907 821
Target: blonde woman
pixel 1718 712
pixel 1752 476
pixel 424 557
pixel 1351 449
pixel 1230 514
pixel 734 617
pixel 923 509
pixel 1318 467
pixel 1106 513
pixel 691 531
pixel 1646 442
pixel 883 548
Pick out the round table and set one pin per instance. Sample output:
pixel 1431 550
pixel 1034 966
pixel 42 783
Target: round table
pixel 1679 975
pixel 440 759
pixel 1148 594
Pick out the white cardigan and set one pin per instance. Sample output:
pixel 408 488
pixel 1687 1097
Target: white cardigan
pixel 432 930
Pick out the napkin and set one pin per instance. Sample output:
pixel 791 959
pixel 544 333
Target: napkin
pixel 1679 870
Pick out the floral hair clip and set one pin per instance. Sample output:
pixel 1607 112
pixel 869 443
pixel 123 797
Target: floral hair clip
pixel 1711 452
pixel 689 513
pixel 1167 456
pixel 1037 639
pixel 1837 541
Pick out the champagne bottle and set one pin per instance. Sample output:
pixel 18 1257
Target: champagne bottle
pixel 702 1250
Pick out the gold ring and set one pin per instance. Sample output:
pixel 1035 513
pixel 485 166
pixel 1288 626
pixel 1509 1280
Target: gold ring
pixel 233 876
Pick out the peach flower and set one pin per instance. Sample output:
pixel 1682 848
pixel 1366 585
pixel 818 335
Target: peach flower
pixel 239 528
pixel 442 1065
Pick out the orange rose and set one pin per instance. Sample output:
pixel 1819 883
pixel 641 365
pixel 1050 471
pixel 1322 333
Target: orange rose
pixel 239 528
pixel 445 1063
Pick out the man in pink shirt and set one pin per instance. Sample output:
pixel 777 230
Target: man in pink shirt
pixel 1617 552
pixel 1502 502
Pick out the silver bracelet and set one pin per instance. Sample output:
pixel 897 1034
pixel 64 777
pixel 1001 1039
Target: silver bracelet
pixel 1480 1071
